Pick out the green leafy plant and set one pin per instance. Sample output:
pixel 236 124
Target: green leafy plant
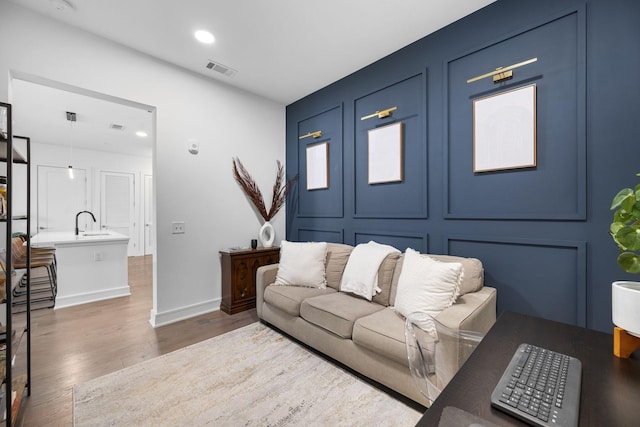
pixel 625 228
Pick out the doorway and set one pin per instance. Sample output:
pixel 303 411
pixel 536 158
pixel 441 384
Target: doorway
pixel 104 138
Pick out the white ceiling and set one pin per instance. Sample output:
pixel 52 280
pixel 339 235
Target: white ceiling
pixel 282 50
pixel 46 120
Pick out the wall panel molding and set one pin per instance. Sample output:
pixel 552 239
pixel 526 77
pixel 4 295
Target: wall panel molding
pixel 408 198
pixel 586 119
pixel 309 234
pixel 556 188
pixel 401 240
pixel 539 277
pixel 326 202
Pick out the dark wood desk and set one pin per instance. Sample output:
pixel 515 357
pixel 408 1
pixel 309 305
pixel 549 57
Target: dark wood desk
pixel 610 386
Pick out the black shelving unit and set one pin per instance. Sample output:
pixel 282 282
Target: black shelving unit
pixel 13 362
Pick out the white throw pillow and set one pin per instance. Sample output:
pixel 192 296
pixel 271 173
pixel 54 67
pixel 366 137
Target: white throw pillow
pixel 360 276
pixel 302 264
pixel 426 285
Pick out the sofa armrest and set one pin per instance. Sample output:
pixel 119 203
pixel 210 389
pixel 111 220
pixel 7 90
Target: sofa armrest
pixel 265 276
pixel 475 311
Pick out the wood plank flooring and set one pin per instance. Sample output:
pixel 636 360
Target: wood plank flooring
pixel 76 344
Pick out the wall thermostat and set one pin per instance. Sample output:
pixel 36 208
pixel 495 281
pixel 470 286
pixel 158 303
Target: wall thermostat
pixel 194 147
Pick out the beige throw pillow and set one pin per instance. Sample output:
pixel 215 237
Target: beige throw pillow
pixel 337 257
pixel 302 264
pixel 426 285
pixel 385 276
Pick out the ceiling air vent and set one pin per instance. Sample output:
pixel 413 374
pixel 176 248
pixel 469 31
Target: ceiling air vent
pixel 220 68
pixel 116 126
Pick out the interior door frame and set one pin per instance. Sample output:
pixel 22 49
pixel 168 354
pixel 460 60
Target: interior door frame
pixel 16 74
pixel 134 240
pixel 148 215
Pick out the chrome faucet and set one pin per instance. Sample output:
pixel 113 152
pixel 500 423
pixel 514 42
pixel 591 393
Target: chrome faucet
pixel 78 214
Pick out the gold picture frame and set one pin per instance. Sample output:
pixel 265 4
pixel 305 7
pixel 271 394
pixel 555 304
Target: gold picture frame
pixel 504 130
pixel 318 166
pixel 385 154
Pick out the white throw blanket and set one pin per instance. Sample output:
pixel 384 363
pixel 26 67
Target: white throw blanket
pixel 361 273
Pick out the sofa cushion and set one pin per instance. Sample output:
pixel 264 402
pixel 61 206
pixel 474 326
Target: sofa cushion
pixel 426 285
pixel 289 298
pixel 385 277
pixel 473 270
pixel 337 257
pixel 336 312
pixel 382 333
pixel 302 264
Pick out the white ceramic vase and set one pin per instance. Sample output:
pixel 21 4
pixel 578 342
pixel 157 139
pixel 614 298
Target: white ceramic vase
pixel 625 306
pixel 267 235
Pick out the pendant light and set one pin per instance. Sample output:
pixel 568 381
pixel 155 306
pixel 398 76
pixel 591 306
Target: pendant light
pixel 71 117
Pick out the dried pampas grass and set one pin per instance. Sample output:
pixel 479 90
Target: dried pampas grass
pixel 250 188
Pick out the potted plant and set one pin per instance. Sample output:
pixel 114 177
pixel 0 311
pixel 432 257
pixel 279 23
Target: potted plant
pixel 625 228
pixel 625 295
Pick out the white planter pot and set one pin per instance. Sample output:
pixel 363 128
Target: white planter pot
pixel 625 306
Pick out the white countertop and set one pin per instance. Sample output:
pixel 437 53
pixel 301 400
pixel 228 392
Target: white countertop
pixel 48 238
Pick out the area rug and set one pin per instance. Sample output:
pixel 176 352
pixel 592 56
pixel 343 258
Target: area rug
pixel 253 376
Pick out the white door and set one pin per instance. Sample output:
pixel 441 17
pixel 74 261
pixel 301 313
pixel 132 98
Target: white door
pixel 60 198
pixel 149 240
pixel 117 206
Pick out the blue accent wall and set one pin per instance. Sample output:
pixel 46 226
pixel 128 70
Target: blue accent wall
pixel 542 231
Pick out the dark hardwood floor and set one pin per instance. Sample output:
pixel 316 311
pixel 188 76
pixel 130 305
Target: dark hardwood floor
pixel 76 344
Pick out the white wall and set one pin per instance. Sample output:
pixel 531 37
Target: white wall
pixel 198 189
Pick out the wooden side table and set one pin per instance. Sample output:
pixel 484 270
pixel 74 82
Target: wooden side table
pixel 239 276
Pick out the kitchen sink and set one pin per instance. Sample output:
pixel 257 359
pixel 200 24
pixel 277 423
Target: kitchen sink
pixel 94 233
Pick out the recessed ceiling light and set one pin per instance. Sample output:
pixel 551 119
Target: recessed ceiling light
pixel 204 36
pixel 141 134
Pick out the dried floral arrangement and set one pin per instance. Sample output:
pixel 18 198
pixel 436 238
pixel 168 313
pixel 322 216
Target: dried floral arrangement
pixel 250 188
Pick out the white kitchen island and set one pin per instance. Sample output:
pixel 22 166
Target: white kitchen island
pixel 92 266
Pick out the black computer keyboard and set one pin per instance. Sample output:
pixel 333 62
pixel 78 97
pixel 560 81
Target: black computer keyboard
pixel 541 387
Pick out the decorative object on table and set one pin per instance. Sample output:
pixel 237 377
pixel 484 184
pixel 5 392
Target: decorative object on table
pixel 254 243
pixel 250 187
pixel 625 295
pixel 504 130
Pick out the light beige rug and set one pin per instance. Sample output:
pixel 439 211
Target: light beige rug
pixel 252 376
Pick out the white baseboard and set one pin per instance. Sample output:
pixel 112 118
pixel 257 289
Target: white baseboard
pixel 183 313
pixel 86 297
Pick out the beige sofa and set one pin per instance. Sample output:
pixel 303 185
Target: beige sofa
pixel 368 337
